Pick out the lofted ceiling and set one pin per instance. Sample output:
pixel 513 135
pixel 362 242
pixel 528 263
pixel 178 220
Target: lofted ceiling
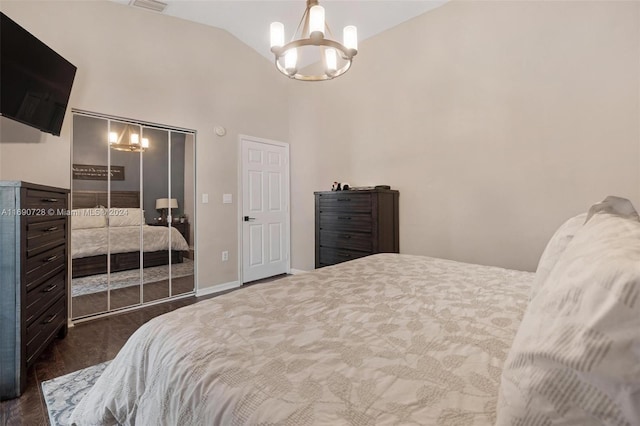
pixel 249 20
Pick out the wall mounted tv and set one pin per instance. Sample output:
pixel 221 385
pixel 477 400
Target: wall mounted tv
pixel 35 82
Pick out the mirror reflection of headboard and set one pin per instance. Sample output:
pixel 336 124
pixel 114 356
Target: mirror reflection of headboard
pixel 91 199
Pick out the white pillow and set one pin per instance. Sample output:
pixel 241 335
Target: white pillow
pixel 88 218
pixel 576 356
pixel 126 217
pixel 554 249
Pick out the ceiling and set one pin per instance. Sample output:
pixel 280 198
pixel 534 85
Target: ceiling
pixel 249 20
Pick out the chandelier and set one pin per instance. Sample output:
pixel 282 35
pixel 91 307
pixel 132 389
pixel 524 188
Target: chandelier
pixel 335 57
pixel 131 143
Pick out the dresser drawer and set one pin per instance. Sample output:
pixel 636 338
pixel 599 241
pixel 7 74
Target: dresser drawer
pixel 42 236
pixel 345 222
pixel 45 199
pixel 43 266
pixel 40 298
pixel 44 205
pixel 345 201
pixel 43 328
pixel 346 240
pixel 330 256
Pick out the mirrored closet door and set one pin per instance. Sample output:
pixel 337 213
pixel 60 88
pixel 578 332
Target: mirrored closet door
pixel 132 218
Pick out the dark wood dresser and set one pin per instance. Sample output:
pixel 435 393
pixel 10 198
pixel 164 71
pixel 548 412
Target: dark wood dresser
pixel 353 224
pixel 33 277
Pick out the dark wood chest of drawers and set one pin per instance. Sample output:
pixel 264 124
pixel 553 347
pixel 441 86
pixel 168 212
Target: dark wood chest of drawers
pixel 33 277
pixel 353 224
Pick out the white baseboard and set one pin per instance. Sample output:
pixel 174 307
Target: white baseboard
pixel 298 271
pixel 217 288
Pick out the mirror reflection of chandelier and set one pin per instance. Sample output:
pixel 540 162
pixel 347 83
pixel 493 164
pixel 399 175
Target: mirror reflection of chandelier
pixel 335 57
pixel 128 140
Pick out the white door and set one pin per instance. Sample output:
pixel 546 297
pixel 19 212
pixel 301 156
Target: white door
pixel 265 208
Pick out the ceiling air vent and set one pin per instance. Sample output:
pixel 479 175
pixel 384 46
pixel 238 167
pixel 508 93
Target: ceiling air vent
pixel 154 5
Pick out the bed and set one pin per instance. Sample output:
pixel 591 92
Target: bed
pixel 399 339
pixel 91 238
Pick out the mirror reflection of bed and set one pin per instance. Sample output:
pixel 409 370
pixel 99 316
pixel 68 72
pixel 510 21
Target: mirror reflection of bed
pixel 92 234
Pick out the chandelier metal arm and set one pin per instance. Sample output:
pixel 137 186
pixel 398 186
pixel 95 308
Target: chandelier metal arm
pixel 304 77
pixel 346 53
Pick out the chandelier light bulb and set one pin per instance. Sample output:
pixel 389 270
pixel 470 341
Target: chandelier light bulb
pixel 277 34
pixel 113 137
pixel 331 60
pixel 350 35
pixel 135 139
pixel 145 142
pixel 291 61
pixel 316 20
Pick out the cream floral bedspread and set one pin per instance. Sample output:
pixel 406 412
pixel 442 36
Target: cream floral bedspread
pixel 384 340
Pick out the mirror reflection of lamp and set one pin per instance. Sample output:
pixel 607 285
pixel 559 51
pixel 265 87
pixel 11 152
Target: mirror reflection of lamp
pixel 165 205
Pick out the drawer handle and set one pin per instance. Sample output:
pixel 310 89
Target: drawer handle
pixel 344 199
pixel 344 217
pixel 49 200
pixel 51 258
pixel 53 228
pixel 50 288
pixel 345 255
pixel 50 319
pixel 346 237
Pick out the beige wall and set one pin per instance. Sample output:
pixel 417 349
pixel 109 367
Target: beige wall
pixel 142 65
pixel 495 120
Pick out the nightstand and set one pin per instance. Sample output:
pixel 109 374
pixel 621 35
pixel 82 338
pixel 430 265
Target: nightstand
pixel 182 228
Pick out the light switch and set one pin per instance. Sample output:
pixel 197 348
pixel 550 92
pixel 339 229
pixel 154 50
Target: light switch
pixel 227 199
pixel 205 198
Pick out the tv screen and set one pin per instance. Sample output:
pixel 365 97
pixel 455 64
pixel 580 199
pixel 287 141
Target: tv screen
pixel 35 82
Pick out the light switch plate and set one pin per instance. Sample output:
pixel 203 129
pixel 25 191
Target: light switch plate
pixel 227 198
pixel 205 198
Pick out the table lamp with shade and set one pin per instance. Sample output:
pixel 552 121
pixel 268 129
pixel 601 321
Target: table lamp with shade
pixel 165 205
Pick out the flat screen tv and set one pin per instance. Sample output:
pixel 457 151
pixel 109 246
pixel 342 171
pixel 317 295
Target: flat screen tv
pixel 35 82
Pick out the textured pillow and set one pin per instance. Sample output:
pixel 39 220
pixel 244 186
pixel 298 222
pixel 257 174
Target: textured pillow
pixel 555 247
pixel 126 217
pixel 88 218
pixel 576 356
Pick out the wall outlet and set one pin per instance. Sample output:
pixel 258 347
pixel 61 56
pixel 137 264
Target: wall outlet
pixel 205 198
pixel 225 256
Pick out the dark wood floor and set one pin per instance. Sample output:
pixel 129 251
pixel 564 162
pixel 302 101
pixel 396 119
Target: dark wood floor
pixel 86 344
pixel 91 304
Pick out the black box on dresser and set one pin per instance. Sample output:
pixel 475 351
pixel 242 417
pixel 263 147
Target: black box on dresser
pixel 34 228
pixel 353 224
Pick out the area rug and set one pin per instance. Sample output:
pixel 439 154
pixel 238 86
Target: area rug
pixel 63 393
pixel 98 283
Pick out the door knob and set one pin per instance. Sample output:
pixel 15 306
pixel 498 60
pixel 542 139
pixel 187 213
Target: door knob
pixel 247 218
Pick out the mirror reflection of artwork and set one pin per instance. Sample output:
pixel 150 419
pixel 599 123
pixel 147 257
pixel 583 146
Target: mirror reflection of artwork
pixel 95 172
pixel 126 251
